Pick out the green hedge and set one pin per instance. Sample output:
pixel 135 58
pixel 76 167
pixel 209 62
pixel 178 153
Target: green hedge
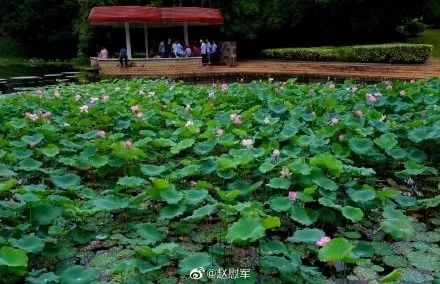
pixel 382 53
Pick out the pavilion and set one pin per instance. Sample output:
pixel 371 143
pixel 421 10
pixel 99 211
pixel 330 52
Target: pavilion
pixel 143 16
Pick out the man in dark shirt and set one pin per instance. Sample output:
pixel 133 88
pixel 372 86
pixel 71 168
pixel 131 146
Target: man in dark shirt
pixel 123 57
pixel 168 47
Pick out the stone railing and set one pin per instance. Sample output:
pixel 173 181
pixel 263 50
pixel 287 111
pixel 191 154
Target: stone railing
pixel 146 63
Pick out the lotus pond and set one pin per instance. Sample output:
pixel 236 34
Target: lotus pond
pixel 139 181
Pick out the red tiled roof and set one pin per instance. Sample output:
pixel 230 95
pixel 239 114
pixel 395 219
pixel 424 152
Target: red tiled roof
pixel 142 14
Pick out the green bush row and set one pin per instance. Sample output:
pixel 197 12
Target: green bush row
pixel 382 53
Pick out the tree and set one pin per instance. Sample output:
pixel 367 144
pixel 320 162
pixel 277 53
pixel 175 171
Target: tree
pixel 45 27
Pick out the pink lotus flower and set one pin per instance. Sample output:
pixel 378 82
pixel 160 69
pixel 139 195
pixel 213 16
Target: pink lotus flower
pixel 77 98
pixel 236 119
pixel 139 114
pixel 105 98
pixel 44 114
pixel 341 137
pixel 224 88
pixel 279 90
pixel 276 153
pixel 358 113
pixel 211 95
pixel 323 241
pixel 135 108
pixel 292 195
pixel 334 121
pixel 32 144
pixel 248 143
pixel 84 108
pixel 189 123
pixel 30 116
pixel 370 98
pixel 402 93
pixel 389 85
pixel 220 132
pixel 101 133
pixel 286 173
pixel 128 144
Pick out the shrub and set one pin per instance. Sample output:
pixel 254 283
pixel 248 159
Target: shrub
pixel 414 28
pixel 381 53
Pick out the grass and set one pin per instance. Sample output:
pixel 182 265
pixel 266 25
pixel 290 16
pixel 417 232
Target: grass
pixel 429 36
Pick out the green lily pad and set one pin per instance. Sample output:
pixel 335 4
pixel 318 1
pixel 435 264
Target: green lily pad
pixel 13 257
pixel 50 150
pixel 279 182
pixel 336 249
pixel 131 181
pixel 326 183
pixel 193 261
pixel 304 216
pixel 152 170
pixel 245 229
pixel 66 181
pixel 30 165
pixel 28 243
pixel 78 275
pixel 386 141
pixel 361 146
pixel 352 213
pixel 149 232
pixel 280 204
pixel 306 235
pixel 98 161
pixel 44 214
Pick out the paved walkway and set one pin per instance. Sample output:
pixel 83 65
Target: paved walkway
pixel 301 69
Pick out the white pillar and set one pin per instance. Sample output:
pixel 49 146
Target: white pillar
pixel 146 41
pixel 127 39
pixel 185 34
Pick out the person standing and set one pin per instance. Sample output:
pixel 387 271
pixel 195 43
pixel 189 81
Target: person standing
pixel 123 57
pixel 162 49
pixel 179 50
pixel 204 52
pixel 168 47
pixel 213 52
pixel 187 51
pixel 195 49
pixel 208 50
pixel 174 49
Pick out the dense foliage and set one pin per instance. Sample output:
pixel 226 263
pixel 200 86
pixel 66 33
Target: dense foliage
pixel 384 53
pixel 137 180
pixel 63 24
